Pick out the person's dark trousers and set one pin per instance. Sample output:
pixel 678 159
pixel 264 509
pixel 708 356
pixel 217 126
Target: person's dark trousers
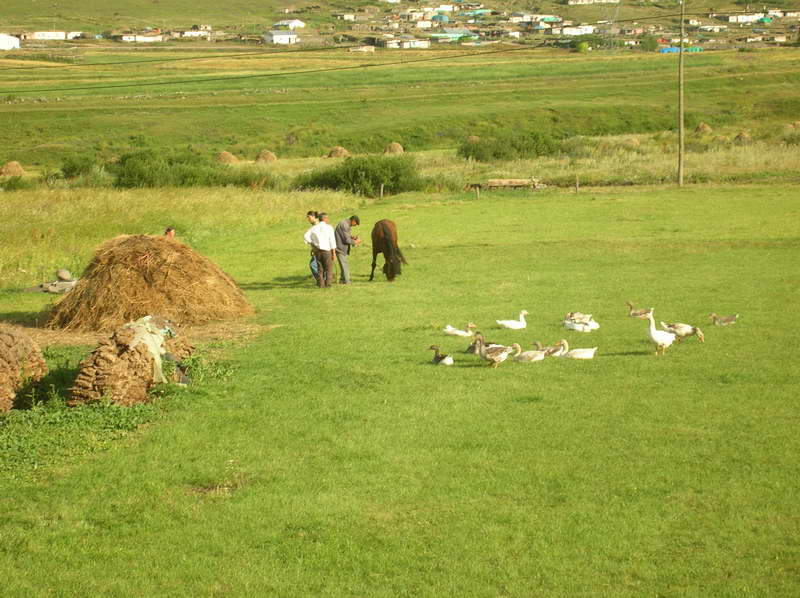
pixel 325 261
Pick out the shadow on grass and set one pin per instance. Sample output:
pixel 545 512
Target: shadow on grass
pixel 55 384
pixel 28 319
pixel 627 353
pixel 281 282
pixel 529 399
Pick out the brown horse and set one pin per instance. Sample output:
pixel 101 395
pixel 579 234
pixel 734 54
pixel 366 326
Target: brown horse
pixel 384 240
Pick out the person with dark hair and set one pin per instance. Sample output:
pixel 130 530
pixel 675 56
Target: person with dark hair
pixel 324 242
pixel 344 241
pixel 313 219
pixel 169 232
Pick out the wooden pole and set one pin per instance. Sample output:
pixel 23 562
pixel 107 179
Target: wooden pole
pixel 681 132
pixel 577 184
pixel 381 190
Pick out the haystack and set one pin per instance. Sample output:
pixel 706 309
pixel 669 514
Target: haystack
pixel 338 152
pixel 128 364
pixel 743 138
pixel 226 158
pixel 703 128
pixel 473 139
pixel 632 142
pixel 12 168
pixel 394 148
pixel 134 275
pixel 266 156
pixel 20 361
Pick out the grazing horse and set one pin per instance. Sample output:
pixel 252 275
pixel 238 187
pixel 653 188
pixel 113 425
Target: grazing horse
pixel 384 240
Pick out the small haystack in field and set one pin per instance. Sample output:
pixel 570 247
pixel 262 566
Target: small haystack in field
pixel 266 156
pixel 20 360
pixel 338 152
pixel 130 362
pixel 227 158
pixel 473 139
pixel 134 275
pixel 632 142
pixel 703 128
pixel 12 168
pixel 743 138
pixel 394 148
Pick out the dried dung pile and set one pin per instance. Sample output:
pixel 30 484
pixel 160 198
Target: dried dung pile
pixel 20 360
pixel 703 128
pixel 266 156
pixel 12 168
pixel 227 158
pixel 127 364
pixel 394 148
pixel 134 275
pixel 338 152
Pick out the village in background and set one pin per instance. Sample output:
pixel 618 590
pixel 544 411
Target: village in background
pixel 411 25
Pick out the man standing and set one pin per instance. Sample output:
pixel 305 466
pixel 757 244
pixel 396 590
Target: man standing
pixel 344 241
pixel 312 218
pixel 324 241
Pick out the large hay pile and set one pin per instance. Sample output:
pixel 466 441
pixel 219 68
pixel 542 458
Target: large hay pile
pixel 12 168
pixel 227 158
pixel 338 152
pixel 393 148
pixel 266 156
pixel 134 275
pixel 703 128
pixel 20 360
pixel 123 369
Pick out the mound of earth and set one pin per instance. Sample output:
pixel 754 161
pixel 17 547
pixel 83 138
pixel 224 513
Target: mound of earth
pixel 126 365
pixel 338 152
pixel 131 276
pixel 394 148
pixel 266 156
pixel 703 128
pixel 12 168
pixel 227 158
pixel 21 360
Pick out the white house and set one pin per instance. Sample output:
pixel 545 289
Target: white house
pixel 142 38
pixel 415 43
pixel 579 30
pixel 284 38
pixel 713 28
pixel 424 24
pixel 49 35
pixel 8 42
pixel 746 18
pixel 290 24
pixel 195 33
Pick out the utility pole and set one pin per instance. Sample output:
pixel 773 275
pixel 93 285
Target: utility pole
pixel 681 131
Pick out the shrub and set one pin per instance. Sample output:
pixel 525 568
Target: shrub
pixel 792 138
pixel 16 183
pixel 78 165
pixel 365 176
pixel 510 147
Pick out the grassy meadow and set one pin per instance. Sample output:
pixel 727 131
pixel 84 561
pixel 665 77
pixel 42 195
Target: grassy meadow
pixel 328 457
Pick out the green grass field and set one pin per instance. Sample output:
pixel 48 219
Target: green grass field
pixel 330 458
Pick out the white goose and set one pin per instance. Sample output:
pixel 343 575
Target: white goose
pixel 515 324
pixel 587 326
pixel 568 353
pixel 456 332
pixel 660 338
pixel 527 356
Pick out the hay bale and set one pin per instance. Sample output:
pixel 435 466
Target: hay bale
pixel 394 148
pixel 21 360
pixel 338 152
pixel 473 139
pixel 134 275
pixel 12 168
pixel 227 158
pixel 703 128
pixel 266 156
pixel 721 139
pixel 743 138
pixel 123 369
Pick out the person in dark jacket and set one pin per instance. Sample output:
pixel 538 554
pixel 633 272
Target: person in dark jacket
pixel 344 241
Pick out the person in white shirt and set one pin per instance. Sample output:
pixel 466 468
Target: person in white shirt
pixel 323 240
pixel 312 218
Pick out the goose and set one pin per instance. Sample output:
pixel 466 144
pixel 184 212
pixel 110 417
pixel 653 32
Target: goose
pixel 439 358
pixel 723 320
pixel 488 344
pixel 528 356
pixel 568 353
pixel 515 324
pixel 556 350
pixel 456 332
pixel 581 326
pixel 494 355
pixel 660 338
pixel 681 331
pixel 637 313
pixel 577 316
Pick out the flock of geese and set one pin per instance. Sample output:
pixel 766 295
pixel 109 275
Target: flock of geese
pixel 495 353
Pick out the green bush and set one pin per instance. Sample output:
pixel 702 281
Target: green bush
pixel 78 165
pixel 510 147
pixel 365 176
pixel 17 183
pixel 149 168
